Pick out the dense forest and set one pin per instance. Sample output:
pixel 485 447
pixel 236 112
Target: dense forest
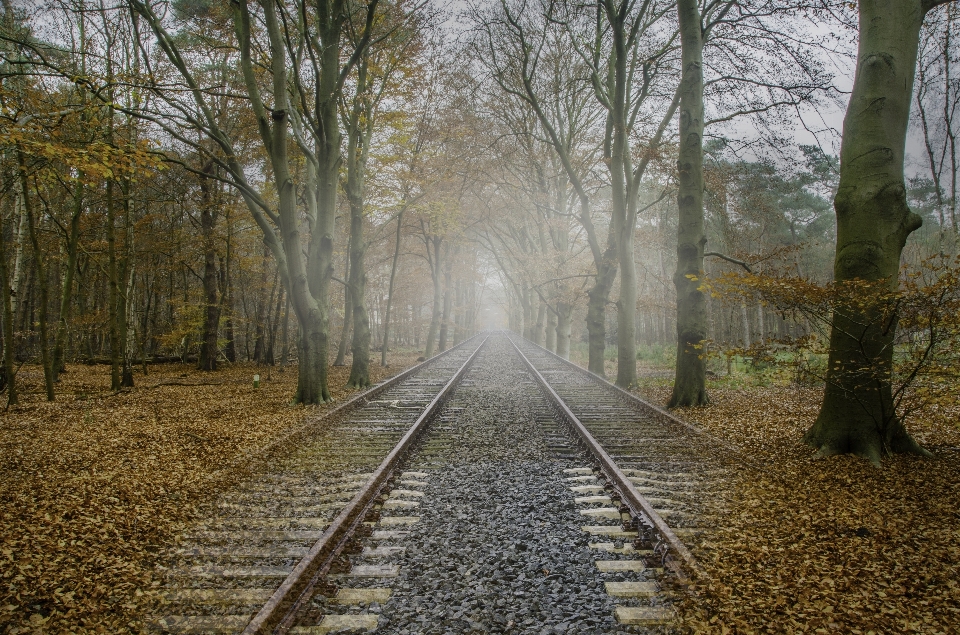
pixel 323 183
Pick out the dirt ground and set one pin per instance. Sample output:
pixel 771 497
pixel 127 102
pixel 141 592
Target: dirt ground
pixel 95 485
pixel 826 546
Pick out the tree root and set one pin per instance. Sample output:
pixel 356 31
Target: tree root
pixel 680 401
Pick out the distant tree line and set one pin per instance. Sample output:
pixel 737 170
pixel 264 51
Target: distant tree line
pixel 277 180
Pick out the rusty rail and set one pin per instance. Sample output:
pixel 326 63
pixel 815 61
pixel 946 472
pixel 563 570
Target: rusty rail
pixel 662 413
pixel 248 459
pixel 280 611
pixel 631 496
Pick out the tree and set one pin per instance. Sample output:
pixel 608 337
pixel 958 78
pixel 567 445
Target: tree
pixel 749 65
pixel 873 223
pixel 688 385
pixel 207 360
pixel 308 67
pixel 624 55
pixel 380 68
pixel 937 101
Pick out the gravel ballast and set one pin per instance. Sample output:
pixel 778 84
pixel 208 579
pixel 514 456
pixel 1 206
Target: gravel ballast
pixel 498 547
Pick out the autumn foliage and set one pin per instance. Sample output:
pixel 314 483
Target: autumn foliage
pixel 923 310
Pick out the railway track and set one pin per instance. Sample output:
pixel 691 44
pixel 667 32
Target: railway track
pixel 231 562
pixel 498 489
pixel 662 468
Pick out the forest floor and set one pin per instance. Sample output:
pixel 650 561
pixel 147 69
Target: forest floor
pixel 833 545
pixel 95 485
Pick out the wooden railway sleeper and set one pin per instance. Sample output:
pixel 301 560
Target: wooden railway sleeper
pixel 281 611
pixel 618 479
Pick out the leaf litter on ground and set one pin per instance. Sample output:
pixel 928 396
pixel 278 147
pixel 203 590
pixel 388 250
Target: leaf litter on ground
pixel 833 545
pixel 95 486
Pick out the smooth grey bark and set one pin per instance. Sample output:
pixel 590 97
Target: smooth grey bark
pixel 285 333
pixel 226 293
pixel 857 415
pixel 689 386
pixel 624 203
pixel 551 331
pixel 357 279
pixel 564 323
pixel 390 287
pixel 538 327
pixel 207 359
pixel 347 317
pixel 360 342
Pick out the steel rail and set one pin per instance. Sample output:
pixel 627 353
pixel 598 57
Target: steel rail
pixel 662 413
pixel 250 457
pixel 631 496
pixel 280 611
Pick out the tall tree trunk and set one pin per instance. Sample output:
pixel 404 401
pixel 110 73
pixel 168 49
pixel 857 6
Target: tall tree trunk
pixel 564 321
pixel 226 294
pixel 285 347
pixel 538 332
pixel 436 273
pixel 211 324
pixel 627 306
pixel 550 334
pixel 42 283
pixel 307 280
pixel 260 316
pixel 447 304
pixel 129 328
pixel 357 281
pixel 125 269
pixel 315 329
pixel 873 221
pixel 148 296
pixel 113 297
pixel 745 318
pixel 597 298
pixel 274 323
pixel 689 385
pixel 761 327
pixel 360 343
pixel 347 319
pixel 624 224
pixel 66 288
pixel 19 270
pixel 526 301
pixel 393 276
pixel 8 359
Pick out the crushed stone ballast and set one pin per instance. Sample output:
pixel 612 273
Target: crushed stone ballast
pixel 526 496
